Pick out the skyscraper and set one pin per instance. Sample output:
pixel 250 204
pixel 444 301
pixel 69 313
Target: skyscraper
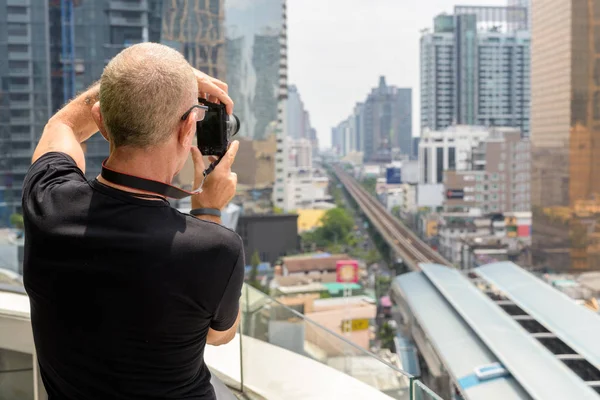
pixel 255 54
pixel 475 69
pixel 256 58
pixel 196 29
pixel 565 134
pixel 51 49
pixel 25 103
pixel 85 36
pixel 387 122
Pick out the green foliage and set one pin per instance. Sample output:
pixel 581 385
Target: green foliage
pixel 370 185
pixel 372 257
pixel 337 224
pixel 253 278
pixel 325 295
pixel 334 232
pixel 382 285
pixel 386 335
pixel 16 220
pixel 277 210
pixel 396 211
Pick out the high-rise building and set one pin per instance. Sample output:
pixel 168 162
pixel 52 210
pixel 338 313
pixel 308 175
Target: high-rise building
pixel 256 47
pixel 193 27
pixel 379 127
pixel 55 49
pixel 295 113
pixel 256 55
pixel 475 69
pixel 25 103
pixel 565 134
pixel 84 36
pixel 387 122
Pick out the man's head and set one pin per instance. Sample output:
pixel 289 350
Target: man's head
pixel 144 91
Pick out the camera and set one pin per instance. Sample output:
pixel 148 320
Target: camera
pixel 216 129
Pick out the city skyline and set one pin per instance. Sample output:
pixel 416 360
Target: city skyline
pixel 325 64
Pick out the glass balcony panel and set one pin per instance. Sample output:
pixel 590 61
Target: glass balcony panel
pixel 286 345
pixel 16 375
pixel 422 392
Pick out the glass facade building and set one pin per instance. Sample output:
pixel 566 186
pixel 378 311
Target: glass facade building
pixel 565 134
pixel 255 52
pixel 51 49
pixel 475 69
pixel 25 103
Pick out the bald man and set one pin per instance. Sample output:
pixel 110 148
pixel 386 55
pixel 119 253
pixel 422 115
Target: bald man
pixel 125 290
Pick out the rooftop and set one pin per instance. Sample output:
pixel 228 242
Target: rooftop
pixel 313 263
pixel 500 313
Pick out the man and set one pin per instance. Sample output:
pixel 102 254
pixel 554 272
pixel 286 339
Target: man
pixel 125 290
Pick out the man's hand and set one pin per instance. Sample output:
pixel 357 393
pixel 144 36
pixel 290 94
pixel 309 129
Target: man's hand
pixel 213 90
pixel 220 185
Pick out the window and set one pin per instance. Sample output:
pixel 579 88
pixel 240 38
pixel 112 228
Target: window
pixel 440 164
pixel 17 30
pixel 18 48
pixel 15 10
pixel 451 158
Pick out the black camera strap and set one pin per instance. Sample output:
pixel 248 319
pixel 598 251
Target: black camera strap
pixel 149 185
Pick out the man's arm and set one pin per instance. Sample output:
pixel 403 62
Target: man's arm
pixel 69 127
pixel 227 316
pixel 218 338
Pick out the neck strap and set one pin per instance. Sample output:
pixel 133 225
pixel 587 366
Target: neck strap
pixel 147 185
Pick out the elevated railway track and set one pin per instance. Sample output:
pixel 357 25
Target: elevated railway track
pixel 401 239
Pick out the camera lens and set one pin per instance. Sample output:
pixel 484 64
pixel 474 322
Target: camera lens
pixel 233 125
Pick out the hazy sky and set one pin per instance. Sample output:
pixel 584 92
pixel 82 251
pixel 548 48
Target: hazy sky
pixel 337 49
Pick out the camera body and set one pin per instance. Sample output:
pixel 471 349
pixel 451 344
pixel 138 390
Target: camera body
pixel 216 130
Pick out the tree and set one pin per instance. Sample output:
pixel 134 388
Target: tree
pixel 370 184
pixel 16 220
pixel 254 263
pixel 336 225
pixel 386 335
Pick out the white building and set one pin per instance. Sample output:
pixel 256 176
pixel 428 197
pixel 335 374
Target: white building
pixel 305 191
pixel 449 149
pixel 300 153
pixel 281 157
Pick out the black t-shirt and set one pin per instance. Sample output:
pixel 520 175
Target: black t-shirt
pixel 123 289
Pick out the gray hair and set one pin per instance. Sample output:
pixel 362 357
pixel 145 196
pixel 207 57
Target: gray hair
pixel 144 91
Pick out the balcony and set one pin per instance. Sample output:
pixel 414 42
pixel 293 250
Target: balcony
pixel 20 105
pixel 277 354
pixel 14 88
pixel 21 56
pixel 13 39
pixel 20 120
pixel 140 21
pixel 119 5
pixel 18 18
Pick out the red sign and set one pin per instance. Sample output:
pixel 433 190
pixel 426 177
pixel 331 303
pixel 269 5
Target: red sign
pixel 346 271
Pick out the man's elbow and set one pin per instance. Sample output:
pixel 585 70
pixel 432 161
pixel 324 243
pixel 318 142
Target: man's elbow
pixel 222 339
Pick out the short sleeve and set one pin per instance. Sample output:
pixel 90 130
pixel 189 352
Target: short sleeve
pixel 49 170
pixel 229 306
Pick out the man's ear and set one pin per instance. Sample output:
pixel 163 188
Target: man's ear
pixel 187 131
pixel 97 116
